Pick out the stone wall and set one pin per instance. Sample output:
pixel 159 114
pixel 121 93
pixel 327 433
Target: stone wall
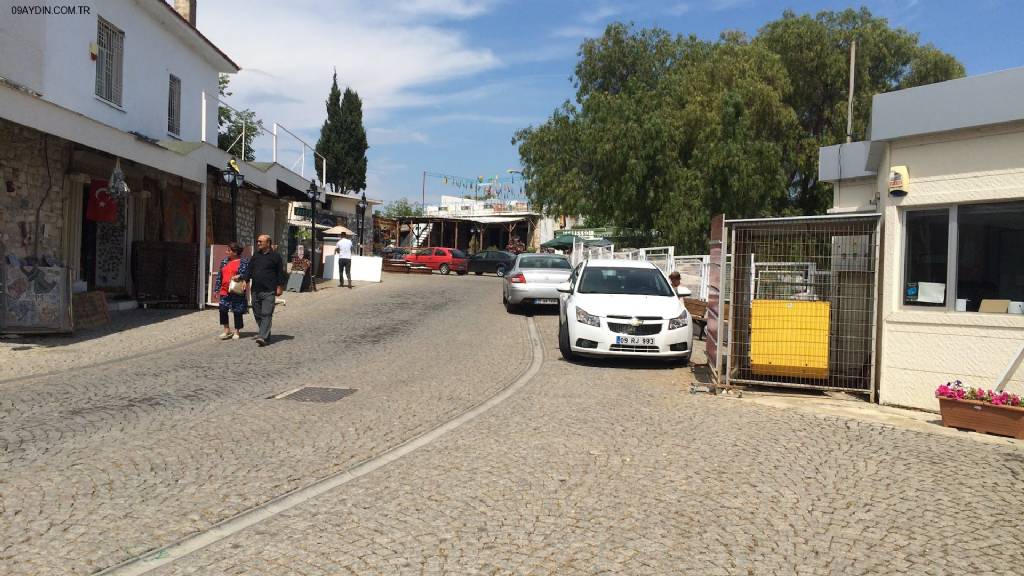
pixel 23 181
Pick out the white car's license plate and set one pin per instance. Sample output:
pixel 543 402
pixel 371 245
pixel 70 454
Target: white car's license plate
pixel 546 301
pixel 635 340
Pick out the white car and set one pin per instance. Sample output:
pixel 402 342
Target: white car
pixel 623 308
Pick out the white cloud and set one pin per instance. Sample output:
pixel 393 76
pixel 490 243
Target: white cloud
pixel 479 119
pixel 576 32
pixel 602 14
pixel 385 53
pixel 719 5
pixel 457 9
pixel 386 136
pixel 679 9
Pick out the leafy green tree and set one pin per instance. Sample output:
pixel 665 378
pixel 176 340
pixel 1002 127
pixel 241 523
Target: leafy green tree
pixel 667 131
pixel 816 53
pixel 343 141
pixel 402 208
pixel 703 128
pixel 230 126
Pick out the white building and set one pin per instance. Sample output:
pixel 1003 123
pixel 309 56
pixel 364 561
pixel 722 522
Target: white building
pixel 88 87
pixel 952 270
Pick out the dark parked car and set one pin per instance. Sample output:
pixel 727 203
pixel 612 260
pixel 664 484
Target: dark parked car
pixel 394 253
pixel 493 261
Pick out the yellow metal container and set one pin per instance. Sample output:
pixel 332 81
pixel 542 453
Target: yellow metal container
pixel 789 338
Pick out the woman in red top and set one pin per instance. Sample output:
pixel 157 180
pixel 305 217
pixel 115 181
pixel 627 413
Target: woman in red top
pixel 231 267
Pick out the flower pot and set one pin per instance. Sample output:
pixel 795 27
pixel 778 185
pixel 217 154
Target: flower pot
pixel 982 417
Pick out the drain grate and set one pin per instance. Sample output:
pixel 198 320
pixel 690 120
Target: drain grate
pixel 318 394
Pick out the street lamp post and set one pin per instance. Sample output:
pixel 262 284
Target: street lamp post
pixel 361 216
pixel 312 194
pixel 233 178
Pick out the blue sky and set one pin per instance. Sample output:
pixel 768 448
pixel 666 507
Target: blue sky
pixel 446 83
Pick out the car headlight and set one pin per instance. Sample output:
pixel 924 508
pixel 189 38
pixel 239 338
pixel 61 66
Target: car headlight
pixel 679 321
pixel 584 318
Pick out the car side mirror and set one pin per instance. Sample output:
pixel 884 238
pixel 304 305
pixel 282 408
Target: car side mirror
pixel 683 291
pixel 564 288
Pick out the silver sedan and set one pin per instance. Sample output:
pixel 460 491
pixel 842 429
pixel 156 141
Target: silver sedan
pixel 533 278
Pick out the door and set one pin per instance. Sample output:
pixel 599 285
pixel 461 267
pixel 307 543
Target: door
pixel 87 257
pixel 482 262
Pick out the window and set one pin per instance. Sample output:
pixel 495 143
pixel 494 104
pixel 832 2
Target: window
pixel 439 252
pixel 968 253
pixel 551 262
pixel 639 281
pixel 174 105
pixel 925 273
pixel 458 253
pixel 990 253
pixel 109 62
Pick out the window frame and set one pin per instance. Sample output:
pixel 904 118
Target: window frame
pixel 105 30
pixel 174 105
pixel 951 244
pixel 952 254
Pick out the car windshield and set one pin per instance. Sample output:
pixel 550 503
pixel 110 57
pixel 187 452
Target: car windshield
pixel 550 262
pixel 458 253
pixel 640 281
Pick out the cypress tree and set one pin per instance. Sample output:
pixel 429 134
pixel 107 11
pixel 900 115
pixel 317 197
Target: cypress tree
pixel 343 141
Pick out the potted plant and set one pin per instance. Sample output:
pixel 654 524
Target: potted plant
pixel 981 410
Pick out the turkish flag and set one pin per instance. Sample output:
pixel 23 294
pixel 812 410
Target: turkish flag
pixel 101 207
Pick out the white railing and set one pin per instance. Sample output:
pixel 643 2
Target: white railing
pixel 693 273
pixel 693 269
pixel 303 151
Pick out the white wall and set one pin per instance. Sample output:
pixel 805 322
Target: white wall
pixel 853 195
pixel 22 46
pixel 921 349
pixel 67 75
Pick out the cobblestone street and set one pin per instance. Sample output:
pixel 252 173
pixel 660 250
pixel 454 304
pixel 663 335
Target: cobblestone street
pixel 590 468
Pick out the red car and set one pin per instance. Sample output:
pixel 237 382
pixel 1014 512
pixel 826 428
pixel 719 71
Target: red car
pixel 444 260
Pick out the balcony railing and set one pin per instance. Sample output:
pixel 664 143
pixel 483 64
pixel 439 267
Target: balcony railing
pixel 282 149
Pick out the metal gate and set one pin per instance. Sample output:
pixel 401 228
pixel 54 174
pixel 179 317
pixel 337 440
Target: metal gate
pixel 803 308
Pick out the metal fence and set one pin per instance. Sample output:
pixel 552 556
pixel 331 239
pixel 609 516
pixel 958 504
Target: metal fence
pixel 803 302
pixel 693 273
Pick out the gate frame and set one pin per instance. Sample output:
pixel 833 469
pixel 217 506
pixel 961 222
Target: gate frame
pixel 730 250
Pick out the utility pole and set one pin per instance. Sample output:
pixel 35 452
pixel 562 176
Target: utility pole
pixel 423 199
pixel 849 105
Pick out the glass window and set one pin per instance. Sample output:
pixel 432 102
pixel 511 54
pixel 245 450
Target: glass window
pixel 174 105
pixel 990 253
pixel 927 250
pixel 638 281
pixel 109 61
pixel 550 262
pixel 458 253
pixel 439 252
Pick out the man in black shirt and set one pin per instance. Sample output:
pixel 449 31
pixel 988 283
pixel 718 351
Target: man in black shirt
pixel 266 271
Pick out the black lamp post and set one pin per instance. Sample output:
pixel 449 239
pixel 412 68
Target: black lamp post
pixel 360 216
pixel 312 193
pixel 233 178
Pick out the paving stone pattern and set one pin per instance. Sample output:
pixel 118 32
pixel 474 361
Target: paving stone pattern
pixel 127 450
pixel 595 468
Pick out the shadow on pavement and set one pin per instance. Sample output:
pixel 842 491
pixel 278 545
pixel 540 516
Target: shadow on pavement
pixel 119 322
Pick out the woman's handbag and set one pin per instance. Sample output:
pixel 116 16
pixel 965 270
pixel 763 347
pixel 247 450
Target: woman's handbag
pixel 236 287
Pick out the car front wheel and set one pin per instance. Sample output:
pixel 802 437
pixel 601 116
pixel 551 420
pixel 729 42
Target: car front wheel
pixel 563 343
pixel 444 269
pixel 500 270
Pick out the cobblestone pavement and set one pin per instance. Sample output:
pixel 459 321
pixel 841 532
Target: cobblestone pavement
pixel 128 441
pixel 595 468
